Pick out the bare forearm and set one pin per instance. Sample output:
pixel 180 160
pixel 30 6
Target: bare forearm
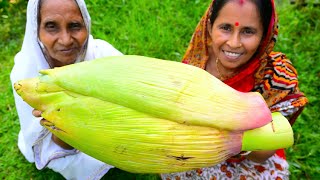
pixel 260 156
pixel 60 143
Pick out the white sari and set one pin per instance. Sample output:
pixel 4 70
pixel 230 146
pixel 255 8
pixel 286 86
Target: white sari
pixel 34 140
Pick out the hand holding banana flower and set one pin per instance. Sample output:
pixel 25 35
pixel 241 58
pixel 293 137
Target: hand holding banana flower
pixel 148 115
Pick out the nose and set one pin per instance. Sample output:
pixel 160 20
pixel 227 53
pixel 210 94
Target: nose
pixel 234 41
pixel 65 38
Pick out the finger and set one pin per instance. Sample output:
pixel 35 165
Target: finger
pixel 44 122
pixel 36 113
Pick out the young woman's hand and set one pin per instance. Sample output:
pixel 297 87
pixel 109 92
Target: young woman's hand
pixel 260 156
pixel 54 138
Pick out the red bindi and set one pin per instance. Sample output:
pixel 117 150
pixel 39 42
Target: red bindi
pixel 241 2
pixel 236 24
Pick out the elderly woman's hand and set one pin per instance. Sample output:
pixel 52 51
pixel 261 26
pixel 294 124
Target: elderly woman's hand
pixel 54 138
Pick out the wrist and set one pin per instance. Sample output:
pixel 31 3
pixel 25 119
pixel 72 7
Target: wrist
pixel 260 156
pixel 61 143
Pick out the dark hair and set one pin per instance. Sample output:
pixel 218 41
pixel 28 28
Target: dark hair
pixel 39 16
pixel 264 8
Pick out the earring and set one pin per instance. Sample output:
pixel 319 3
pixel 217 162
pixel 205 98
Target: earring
pixel 209 42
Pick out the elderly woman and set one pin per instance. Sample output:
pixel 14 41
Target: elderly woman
pixel 57 34
pixel 234 41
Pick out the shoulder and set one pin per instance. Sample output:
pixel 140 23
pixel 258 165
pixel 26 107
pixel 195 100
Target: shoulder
pixel 281 64
pixel 98 48
pixel 278 73
pixel 99 43
pixel 23 68
pixel 279 86
pixel 284 73
pixel 104 46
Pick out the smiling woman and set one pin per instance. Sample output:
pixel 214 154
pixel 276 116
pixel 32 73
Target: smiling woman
pixel 234 39
pixel 57 34
pixel 234 42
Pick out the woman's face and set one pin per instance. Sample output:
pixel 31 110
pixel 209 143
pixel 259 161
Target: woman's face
pixel 236 34
pixel 62 31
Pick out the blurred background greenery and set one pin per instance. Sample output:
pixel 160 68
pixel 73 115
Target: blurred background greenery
pixel 163 29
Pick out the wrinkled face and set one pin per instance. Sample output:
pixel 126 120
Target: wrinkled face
pixel 62 31
pixel 236 34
